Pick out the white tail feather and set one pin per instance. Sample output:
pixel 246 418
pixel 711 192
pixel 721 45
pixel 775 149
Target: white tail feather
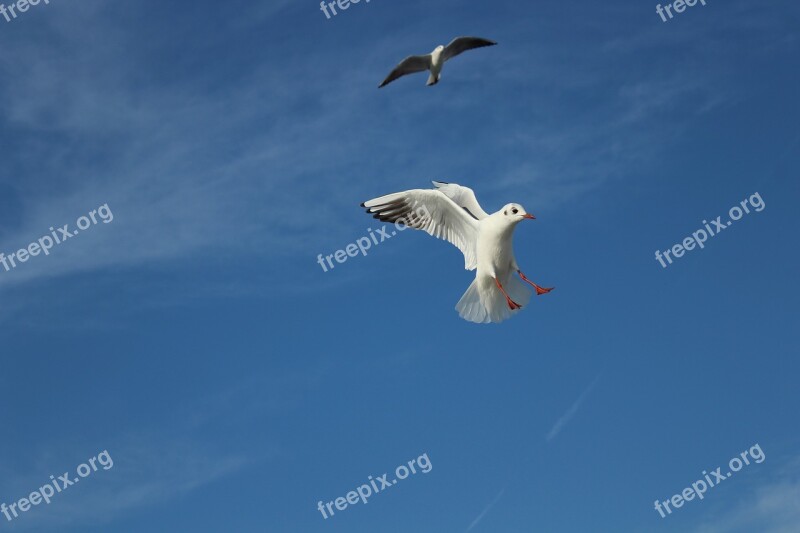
pixel 483 302
pixel 470 307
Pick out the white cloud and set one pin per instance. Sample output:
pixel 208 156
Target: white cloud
pixel 147 470
pixel 772 507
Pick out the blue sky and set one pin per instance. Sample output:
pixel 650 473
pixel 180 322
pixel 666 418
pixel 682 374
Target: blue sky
pixel 236 384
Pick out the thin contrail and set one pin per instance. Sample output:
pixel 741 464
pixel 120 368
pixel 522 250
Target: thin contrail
pixel 559 425
pixel 488 507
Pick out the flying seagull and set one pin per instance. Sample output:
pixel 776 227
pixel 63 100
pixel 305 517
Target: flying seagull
pixel 451 212
pixel 435 60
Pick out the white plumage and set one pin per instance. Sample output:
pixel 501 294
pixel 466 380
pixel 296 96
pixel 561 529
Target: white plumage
pixel 451 212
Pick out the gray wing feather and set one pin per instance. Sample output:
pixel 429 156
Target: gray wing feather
pixel 462 44
pixel 464 197
pixel 409 65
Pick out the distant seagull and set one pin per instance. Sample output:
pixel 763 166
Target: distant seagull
pixel 452 212
pixel 435 60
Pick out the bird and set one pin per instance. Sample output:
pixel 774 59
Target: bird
pixel 451 212
pixel 435 60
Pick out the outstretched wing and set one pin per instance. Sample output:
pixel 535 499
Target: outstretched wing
pixel 464 197
pixel 462 44
pixel 409 65
pixel 433 212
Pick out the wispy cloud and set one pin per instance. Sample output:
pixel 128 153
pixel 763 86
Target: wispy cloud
pixel 161 463
pixel 771 508
pixel 566 417
pixel 148 469
pixel 184 165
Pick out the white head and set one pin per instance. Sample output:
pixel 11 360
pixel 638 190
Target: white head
pixel 515 213
pixel 438 48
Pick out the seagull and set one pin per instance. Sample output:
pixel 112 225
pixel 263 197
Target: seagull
pixel 435 60
pixel 451 212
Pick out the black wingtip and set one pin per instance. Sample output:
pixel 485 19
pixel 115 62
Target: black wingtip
pixel 362 204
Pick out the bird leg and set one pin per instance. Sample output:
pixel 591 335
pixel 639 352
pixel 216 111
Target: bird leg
pixel 511 303
pixel 539 290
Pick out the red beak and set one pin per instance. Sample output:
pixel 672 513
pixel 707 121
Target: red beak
pixel 528 215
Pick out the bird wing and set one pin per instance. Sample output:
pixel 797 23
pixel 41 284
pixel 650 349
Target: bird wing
pixel 464 197
pixel 462 44
pixel 409 65
pixel 433 212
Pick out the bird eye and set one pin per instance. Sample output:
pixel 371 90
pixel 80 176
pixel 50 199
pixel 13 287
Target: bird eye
pixel 514 210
